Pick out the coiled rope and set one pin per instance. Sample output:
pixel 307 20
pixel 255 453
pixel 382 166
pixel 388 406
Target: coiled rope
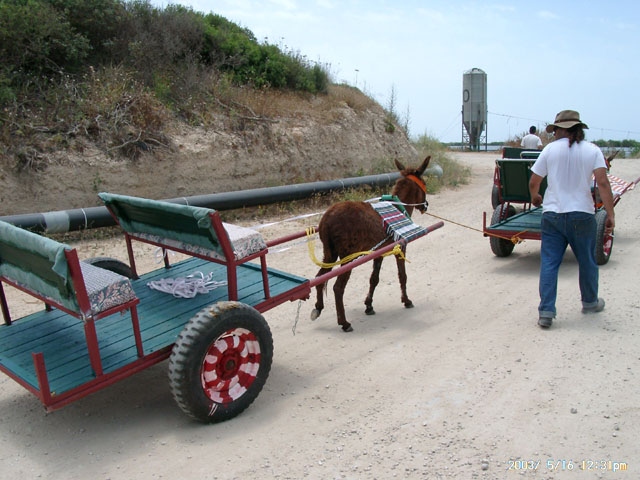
pixel 186 287
pixel 397 250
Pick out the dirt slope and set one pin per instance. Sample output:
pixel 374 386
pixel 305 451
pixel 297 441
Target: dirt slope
pixel 326 139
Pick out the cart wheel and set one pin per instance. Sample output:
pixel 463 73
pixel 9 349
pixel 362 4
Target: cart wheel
pixel 111 264
pixel 501 247
pixel 220 361
pixel 604 242
pixel 495 196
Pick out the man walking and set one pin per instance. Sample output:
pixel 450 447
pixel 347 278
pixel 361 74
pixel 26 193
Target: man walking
pixel 569 163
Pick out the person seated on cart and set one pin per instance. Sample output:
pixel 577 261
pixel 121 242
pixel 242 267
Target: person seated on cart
pixel 569 163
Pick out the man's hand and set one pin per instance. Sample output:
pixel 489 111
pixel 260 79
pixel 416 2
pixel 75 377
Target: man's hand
pixel 534 189
pixel 537 200
pixel 609 225
pixel 604 188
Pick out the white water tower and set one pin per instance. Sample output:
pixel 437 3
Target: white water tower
pixel 474 109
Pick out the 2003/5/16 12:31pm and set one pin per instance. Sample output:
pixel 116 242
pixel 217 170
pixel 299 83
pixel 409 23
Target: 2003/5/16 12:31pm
pixel 560 464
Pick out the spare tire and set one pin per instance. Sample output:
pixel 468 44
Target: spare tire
pixel 604 242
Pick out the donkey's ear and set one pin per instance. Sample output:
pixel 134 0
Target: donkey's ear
pixel 424 165
pixel 399 166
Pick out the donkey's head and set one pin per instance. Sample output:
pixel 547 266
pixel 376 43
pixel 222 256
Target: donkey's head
pixel 410 187
pixel 610 158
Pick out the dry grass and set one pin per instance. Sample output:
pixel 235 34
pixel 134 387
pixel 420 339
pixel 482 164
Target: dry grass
pixel 271 103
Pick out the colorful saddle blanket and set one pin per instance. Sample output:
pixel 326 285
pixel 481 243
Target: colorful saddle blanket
pixel 397 224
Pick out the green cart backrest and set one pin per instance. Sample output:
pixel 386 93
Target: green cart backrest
pixel 514 180
pixel 530 154
pixel 38 263
pixel 518 152
pixel 181 223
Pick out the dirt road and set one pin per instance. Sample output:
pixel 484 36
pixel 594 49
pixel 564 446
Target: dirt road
pixel 465 385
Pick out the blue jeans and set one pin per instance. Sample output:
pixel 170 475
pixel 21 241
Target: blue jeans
pixel 577 229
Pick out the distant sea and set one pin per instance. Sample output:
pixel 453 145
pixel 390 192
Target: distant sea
pixel 493 148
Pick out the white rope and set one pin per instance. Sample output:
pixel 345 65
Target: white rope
pixel 290 219
pixel 160 254
pixel 186 287
pixel 295 323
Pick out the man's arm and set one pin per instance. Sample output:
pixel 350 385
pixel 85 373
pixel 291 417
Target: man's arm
pixel 534 189
pixel 604 189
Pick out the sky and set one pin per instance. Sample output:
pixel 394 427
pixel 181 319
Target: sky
pixel 539 57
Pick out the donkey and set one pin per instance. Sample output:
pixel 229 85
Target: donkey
pixel 349 227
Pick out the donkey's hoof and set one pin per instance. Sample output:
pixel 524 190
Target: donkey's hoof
pixel 347 328
pixel 369 310
pixel 315 313
pixel 408 304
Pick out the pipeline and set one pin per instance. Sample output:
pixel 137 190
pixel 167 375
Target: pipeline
pixel 64 221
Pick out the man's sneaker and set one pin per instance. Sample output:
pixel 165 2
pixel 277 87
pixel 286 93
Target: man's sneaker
pixel 598 307
pixel 545 322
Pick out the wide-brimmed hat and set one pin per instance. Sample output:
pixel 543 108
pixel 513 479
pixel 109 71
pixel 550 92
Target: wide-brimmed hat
pixel 566 119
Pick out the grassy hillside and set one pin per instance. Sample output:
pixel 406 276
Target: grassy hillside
pixel 116 73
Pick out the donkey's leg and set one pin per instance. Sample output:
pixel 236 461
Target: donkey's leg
pixel 315 313
pixel 402 276
pixel 338 290
pixel 373 283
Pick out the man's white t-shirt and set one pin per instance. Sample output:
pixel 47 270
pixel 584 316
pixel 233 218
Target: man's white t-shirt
pixel 531 141
pixel 569 173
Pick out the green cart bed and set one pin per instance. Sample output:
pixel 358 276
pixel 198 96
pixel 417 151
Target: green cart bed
pixel 59 338
pixel 514 218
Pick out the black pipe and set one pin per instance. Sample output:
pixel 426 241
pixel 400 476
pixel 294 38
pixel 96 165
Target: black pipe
pixel 63 221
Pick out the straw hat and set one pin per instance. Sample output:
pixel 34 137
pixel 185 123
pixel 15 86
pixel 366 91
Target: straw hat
pixel 566 119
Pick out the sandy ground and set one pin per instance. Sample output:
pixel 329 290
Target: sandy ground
pixel 465 385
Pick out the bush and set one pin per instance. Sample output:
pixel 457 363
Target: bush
pixel 454 174
pixel 37 40
pixel 236 51
pixel 40 37
pixel 100 22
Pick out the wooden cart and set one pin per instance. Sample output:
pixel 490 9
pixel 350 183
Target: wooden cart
pixel 102 323
pixel 515 219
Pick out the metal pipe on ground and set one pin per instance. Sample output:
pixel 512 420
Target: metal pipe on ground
pixel 63 221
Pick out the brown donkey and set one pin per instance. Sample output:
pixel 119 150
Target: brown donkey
pixel 350 227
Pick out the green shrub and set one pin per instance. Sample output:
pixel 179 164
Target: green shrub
pixel 454 174
pixel 100 22
pixel 37 40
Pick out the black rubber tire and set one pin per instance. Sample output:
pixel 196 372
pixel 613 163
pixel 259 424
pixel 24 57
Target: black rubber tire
pixel 111 264
pixel 604 242
pixel 495 197
pixel 220 361
pixel 501 247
